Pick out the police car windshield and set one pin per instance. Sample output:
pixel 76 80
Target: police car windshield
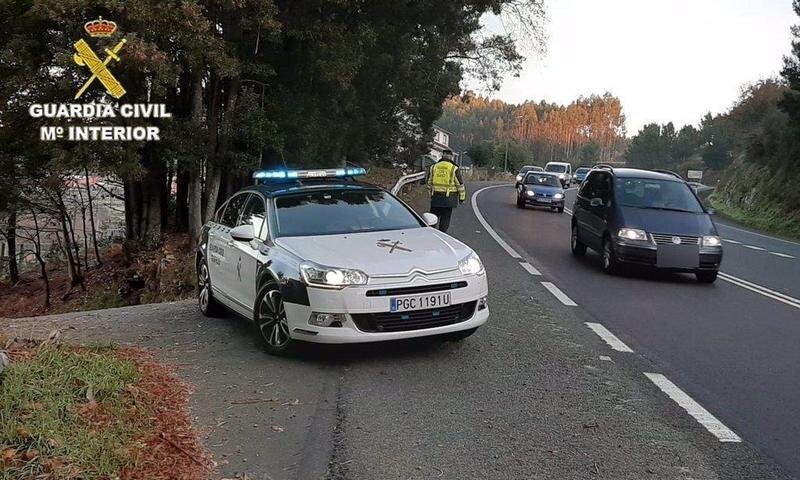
pixel 330 212
pixel 556 168
pixel 544 180
pixel 657 195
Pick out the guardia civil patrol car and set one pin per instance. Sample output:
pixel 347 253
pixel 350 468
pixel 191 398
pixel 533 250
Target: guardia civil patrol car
pixel 316 256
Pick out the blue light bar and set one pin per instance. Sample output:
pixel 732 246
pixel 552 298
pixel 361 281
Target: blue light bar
pixel 318 173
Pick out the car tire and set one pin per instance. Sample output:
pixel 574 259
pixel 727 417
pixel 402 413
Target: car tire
pixel 609 258
pixel 706 276
pixel 560 209
pixel 578 247
pixel 270 320
pixel 461 335
pixel 209 306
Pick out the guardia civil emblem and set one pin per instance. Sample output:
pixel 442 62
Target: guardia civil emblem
pixel 85 56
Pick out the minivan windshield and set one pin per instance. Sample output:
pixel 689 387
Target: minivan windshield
pixel 542 179
pixel 555 168
pixel 330 212
pixel 656 194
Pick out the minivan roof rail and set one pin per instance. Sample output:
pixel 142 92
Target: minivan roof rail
pixel 668 172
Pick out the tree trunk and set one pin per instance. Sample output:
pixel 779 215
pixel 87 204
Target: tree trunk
pixel 11 236
pixel 42 264
pixel 181 196
pixel 91 216
pixel 195 188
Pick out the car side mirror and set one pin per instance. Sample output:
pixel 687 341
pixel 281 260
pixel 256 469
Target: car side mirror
pixel 243 233
pixel 430 219
pixel 596 202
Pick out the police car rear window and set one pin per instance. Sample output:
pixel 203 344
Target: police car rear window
pixel 331 212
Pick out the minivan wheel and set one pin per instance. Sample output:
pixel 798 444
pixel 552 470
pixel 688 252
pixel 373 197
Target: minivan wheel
pixel 271 322
pixel 578 248
pixel 610 264
pixel 706 276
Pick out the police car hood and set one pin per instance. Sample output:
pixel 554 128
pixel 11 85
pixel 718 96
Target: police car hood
pixel 392 252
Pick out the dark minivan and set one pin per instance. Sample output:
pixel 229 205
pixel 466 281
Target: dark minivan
pixel 645 217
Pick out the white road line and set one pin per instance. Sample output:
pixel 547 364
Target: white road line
pixel 609 337
pixel 752 247
pixel 782 255
pixel 530 268
pixel 703 416
pixel 561 296
pixel 488 227
pixel 569 212
pixel 728 240
pixel 758 234
pixel 791 301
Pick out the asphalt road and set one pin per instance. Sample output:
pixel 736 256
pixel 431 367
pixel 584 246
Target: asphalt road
pixel 732 346
pixel 534 394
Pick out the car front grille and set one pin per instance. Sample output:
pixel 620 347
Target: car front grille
pixel 666 239
pixel 414 320
pixel 416 289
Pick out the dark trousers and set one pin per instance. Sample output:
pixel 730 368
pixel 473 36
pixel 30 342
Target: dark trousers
pixel 444 217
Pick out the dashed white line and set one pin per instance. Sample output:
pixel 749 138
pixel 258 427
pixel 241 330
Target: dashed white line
pixel 724 225
pixel 488 227
pixel 703 416
pixel 530 268
pixel 753 247
pixel 754 287
pixel 569 212
pixel 735 242
pixel 782 255
pixel 561 296
pixel 609 337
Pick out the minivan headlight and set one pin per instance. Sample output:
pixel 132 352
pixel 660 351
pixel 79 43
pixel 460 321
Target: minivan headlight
pixel 471 265
pixel 632 234
pixel 712 241
pixel 331 277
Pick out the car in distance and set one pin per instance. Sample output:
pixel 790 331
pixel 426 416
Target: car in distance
pixel 562 169
pixel 315 256
pixel 524 170
pixel 581 173
pixel 541 190
pixel 645 217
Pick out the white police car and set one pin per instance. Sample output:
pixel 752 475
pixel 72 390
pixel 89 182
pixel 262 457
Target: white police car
pixel 312 255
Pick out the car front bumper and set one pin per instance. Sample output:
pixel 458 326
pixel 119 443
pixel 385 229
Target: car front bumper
pixel 467 310
pixel 536 201
pixel 647 256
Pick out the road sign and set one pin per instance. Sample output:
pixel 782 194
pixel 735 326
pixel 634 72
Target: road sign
pixel 694 174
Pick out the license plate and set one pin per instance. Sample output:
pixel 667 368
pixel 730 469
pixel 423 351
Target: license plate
pixel 678 256
pixel 419 302
pixel 544 200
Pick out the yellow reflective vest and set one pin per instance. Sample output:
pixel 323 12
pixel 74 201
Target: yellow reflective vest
pixel 444 180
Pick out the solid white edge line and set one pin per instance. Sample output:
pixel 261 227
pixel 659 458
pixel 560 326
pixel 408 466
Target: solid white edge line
pixel 561 296
pixel 609 337
pixel 486 226
pixel 703 416
pixel 782 255
pixel 760 289
pixel 756 233
pixel 728 240
pixel 530 268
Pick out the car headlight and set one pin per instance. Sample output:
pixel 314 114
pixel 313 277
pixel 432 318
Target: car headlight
pixel 712 241
pixel 530 193
pixel 519 178
pixel 471 265
pixel 632 234
pixel 331 277
pixel 558 196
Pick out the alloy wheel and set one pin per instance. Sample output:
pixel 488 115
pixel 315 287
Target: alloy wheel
pixel 272 319
pixel 203 287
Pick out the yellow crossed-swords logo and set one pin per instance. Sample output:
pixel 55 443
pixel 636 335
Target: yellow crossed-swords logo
pixel 99 68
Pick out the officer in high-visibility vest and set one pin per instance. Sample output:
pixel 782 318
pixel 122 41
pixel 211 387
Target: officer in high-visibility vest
pixel 447 188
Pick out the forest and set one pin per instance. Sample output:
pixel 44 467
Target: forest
pixel 248 84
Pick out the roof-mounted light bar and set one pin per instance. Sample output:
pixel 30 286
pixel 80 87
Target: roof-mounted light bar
pixel 303 174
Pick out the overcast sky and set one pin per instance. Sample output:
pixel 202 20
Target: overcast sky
pixel 667 60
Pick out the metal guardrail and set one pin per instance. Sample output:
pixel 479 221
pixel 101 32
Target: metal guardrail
pixel 406 179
